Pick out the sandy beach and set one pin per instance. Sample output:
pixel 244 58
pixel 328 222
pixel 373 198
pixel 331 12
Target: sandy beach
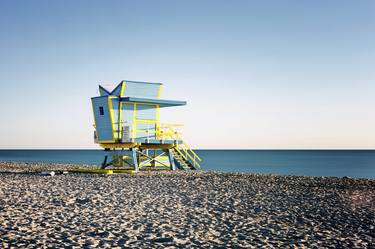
pixel 184 210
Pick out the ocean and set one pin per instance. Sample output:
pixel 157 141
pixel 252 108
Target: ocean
pixel 350 163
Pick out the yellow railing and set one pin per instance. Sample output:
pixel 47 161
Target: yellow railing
pixel 169 132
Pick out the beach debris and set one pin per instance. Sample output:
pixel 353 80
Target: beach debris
pixel 47 173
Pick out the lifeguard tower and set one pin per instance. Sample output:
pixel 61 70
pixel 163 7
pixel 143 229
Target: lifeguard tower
pixel 127 127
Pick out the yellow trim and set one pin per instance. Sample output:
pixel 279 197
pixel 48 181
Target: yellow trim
pixel 122 88
pixel 120 121
pixel 167 131
pixel 187 156
pixel 159 90
pixel 170 133
pixel 187 147
pixel 134 120
pixel 126 171
pixel 120 110
pixel 105 141
pixel 93 171
pixel 157 117
pixel 147 121
pixel 138 145
pixel 112 117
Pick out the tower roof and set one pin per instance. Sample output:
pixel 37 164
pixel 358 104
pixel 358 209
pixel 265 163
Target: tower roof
pixel 161 102
pixel 138 91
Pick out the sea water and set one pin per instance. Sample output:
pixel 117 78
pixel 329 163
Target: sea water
pixel 351 163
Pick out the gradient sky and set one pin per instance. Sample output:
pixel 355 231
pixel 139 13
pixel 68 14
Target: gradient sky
pixel 256 74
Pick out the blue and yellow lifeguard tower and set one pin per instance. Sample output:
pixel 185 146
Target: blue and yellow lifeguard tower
pixel 127 127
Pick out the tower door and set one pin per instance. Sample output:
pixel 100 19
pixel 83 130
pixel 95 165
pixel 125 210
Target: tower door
pixel 103 123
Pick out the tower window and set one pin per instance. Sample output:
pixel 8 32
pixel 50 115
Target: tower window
pixel 101 110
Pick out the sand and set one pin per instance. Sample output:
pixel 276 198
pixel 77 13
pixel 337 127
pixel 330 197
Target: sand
pixel 183 210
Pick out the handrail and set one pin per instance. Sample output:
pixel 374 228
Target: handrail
pixel 190 149
pixel 186 158
pixel 189 156
pixel 168 131
pixel 182 154
pixel 156 132
pixel 189 153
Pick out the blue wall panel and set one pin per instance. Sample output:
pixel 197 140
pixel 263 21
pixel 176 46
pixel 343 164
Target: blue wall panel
pixel 103 122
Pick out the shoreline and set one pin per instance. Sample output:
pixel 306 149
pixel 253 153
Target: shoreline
pixel 14 166
pixel 178 209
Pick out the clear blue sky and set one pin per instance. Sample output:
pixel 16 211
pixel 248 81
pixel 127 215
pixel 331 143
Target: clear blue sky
pixel 256 74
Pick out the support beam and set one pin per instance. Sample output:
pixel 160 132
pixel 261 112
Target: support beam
pixel 104 164
pixel 171 159
pixel 151 159
pixel 119 146
pixel 156 146
pixel 135 159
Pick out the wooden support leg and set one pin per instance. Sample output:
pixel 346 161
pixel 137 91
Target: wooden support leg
pixel 171 159
pixel 135 159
